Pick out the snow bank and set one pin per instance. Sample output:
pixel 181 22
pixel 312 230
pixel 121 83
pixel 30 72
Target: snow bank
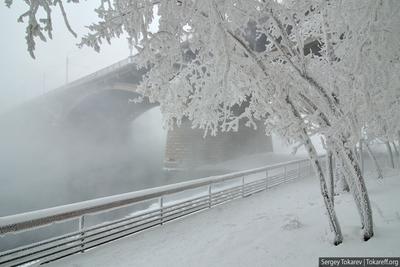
pixel 285 226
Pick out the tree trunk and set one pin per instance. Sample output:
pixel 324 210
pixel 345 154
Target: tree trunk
pixel 373 158
pixel 345 184
pixel 340 175
pixel 395 148
pixel 329 171
pixel 389 149
pixel 398 136
pixel 333 221
pixel 348 185
pixel 360 191
pixel 361 156
pixel 357 155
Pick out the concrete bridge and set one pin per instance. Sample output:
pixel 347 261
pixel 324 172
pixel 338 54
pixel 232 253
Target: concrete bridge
pixel 100 103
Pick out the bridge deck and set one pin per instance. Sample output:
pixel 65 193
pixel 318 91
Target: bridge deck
pixel 285 226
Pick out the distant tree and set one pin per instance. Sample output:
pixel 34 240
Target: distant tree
pixel 303 67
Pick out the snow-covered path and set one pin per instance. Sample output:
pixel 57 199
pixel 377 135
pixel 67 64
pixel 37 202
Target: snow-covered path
pixel 285 226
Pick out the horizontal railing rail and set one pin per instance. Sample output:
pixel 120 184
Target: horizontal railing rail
pixel 214 190
pixel 100 73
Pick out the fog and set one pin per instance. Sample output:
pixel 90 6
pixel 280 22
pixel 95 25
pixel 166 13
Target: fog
pixel 104 145
pixel 94 152
pixel 43 165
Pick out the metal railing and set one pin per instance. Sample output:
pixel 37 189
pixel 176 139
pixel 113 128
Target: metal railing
pixel 101 73
pixel 173 202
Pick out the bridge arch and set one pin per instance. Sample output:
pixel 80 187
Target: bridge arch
pixel 106 114
pixel 123 95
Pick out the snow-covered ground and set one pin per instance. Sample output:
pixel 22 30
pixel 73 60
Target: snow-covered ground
pixel 285 226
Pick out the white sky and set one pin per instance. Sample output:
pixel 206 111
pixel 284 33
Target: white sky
pixel 22 77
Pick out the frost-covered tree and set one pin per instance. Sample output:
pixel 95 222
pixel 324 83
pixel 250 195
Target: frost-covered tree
pixel 303 67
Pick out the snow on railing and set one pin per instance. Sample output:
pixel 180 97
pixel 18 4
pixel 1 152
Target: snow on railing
pixel 173 201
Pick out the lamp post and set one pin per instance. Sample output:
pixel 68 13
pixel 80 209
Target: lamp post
pixel 67 63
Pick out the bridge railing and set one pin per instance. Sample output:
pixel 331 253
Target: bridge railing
pixel 170 202
pixel 102 72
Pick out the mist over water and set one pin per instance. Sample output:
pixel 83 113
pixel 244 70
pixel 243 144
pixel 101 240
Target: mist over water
pixel 43 166
pixel 106 145
pixel 72 145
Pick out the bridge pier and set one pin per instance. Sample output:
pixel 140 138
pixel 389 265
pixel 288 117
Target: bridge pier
pixel 186 148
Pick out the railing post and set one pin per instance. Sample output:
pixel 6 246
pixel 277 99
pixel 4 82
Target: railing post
pixel 266 180
pixel 161 201
pixel 209 196
pixel 243 186
pixel 81 229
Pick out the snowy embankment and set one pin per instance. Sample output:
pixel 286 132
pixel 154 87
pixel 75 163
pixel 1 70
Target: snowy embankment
pixel 252 161
pixel 285 226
